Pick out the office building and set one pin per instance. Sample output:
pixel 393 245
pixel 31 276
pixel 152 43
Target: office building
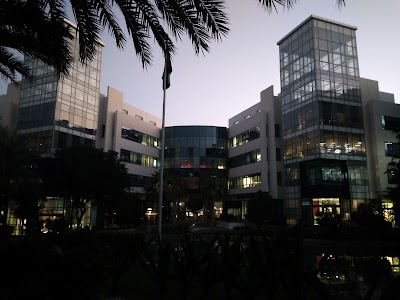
pixel 381 120
pixel 322 144
pixel 55 113
pixel 135 135
pixel 255 154
pixel 322 127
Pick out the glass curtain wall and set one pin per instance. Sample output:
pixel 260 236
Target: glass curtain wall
pixel 321 109
pixel 55 113
pixel 190 149
pixel 198 154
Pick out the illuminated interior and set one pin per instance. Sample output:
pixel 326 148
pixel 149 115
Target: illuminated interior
pixel 326 206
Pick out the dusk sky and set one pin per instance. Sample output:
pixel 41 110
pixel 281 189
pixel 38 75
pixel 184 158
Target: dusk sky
pixel 209 89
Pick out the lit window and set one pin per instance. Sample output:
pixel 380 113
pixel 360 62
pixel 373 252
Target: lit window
pixel 247 117
pixel 124 111
pixel 153 123
pixel 139 117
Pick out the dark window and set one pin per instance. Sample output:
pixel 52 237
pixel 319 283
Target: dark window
pixel 392 149
pixel 62 139
pixel 89 142
pixel 278 154
pixel 391 123
pixel 76 140
pixel 139 181
pixel 392 178
pixel 279 178
pixel 277 130
pixel 244 159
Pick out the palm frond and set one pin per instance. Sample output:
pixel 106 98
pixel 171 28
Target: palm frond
pixel 89 28
pixel 56 9
pixel 341 3
pixel 108 20
pixel 213 17
pixel 137 30
pixel 270 5
pixel 11 65
pixel 186 13
pixel 35 33
pixel 168 14
pixel 151 19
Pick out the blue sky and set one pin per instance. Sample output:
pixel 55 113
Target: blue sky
pixel 209 89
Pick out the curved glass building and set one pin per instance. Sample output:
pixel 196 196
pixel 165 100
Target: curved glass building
pixel 190 150
pixel 195 152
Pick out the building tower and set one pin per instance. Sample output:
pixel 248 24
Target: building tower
pixel 54 113
pixel 322 127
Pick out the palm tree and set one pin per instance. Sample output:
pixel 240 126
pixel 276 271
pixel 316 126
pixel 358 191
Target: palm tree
pixel 152 191
pixel 37 28
pixel 175 188
pixel 212 188
pixel 26 29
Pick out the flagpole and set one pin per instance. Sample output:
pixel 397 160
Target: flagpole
pixel 160 196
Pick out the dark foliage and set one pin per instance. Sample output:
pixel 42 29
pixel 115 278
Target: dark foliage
pixel 85 175
pixel 370 220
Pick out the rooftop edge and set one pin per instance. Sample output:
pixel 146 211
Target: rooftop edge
pixel 317 18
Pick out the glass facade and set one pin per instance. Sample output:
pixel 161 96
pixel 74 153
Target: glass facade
pixel 55 113
pixel 244 159
pixel 139 137
pixel 244 137
pixel 198 154
pixel 139 159
pixel 321 116
pixel 190 150
pixel 243 182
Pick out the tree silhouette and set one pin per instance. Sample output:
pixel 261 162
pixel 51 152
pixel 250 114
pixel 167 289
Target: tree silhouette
pixel 175 189
pixel 19 176
pixel 85 175
pixel 211 188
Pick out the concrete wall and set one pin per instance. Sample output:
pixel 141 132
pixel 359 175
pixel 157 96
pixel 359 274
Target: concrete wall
pixel 265 114
pixel 375 105
pixel 378 137
pixel 114 114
